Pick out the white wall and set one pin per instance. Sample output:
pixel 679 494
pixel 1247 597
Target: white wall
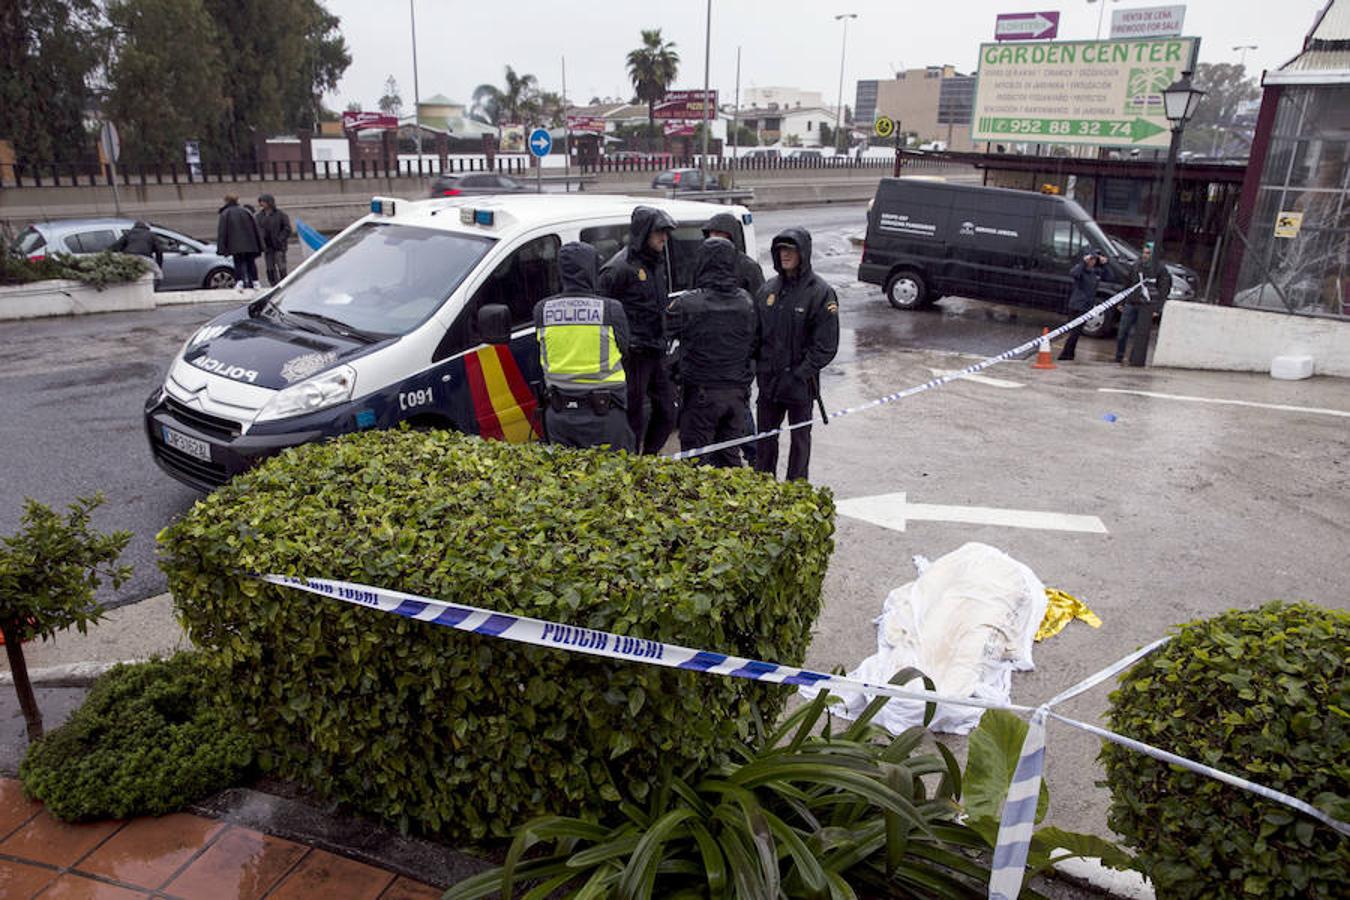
pixel 1201 336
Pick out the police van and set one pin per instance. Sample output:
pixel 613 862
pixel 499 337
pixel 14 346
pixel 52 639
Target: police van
pixel 420 312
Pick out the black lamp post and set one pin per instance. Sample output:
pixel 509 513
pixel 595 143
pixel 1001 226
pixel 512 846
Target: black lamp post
pixel 1180 101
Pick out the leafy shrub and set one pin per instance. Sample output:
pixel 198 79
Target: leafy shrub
pixel 469 735
pixel 858 813
pixel 97 269
pixel 1263 694
pixel 149 739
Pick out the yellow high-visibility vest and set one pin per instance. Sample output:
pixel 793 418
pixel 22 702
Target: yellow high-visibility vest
pixel 577 344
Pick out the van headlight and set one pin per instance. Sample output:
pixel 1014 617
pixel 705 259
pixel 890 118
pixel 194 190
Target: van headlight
pixel 320 392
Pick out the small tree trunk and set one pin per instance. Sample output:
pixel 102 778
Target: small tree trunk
pixel 22 686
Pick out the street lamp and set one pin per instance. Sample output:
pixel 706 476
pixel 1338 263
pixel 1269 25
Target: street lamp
pixel 1242 49
pixel 1100 12
pixel 839 104
pixel 1180 100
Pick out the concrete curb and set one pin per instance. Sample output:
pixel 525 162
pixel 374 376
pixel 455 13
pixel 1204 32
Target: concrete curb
pixel 70 675
pixel 1128 885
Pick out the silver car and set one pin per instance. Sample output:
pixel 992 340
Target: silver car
pixel 188 263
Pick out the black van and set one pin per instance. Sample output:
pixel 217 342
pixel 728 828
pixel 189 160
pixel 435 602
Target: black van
pixel 932 239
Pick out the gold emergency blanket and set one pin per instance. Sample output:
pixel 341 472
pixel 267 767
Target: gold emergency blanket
pixel 1060 610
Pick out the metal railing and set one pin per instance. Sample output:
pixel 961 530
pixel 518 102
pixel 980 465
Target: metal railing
pixel 93 174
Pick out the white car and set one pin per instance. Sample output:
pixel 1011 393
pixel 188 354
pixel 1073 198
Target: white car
pixel 385 324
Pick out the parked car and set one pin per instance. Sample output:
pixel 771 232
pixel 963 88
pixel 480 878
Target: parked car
pixel 448 185
pixel 421 312
pixel 188 263
pixel 932 239
pixel 680 180
pixel 805 154
pixel 759 153
pixel 1185 280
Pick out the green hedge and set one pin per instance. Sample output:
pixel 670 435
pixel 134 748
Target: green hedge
pixel 1263 694
pixel 148 740
pixel 469 736
pixel 97 269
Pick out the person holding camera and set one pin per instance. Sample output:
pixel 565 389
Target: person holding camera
pixel 1086 275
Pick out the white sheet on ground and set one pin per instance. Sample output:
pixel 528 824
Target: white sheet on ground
pixel 968 621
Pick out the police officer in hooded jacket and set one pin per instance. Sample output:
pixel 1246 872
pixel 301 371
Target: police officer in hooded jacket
pixel 582 339
pixel 636 277
pixel 799 336
pixel 749 276
pixel 718 333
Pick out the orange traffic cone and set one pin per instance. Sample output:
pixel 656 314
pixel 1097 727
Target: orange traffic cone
pixel 1043 360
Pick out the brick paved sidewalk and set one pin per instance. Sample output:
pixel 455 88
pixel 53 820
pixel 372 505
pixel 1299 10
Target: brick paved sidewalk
pixel 176 856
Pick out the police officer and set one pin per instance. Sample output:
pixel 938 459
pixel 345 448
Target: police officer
pixel 636 277
pixel 718 333
pixel 749 276
pixel 799 336
pixel 582 339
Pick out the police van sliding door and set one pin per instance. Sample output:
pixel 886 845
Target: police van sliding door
pixel 1061 246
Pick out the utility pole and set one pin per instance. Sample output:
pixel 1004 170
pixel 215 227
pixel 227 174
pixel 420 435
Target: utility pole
pixel 736 123
pixel 567 138
pixel 839 105
pixel 707 97
pixel 417 96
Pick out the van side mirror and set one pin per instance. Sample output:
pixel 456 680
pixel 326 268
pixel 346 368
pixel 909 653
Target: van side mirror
pixel 494 324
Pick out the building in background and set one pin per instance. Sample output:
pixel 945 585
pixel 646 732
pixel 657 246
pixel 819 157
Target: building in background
pixel 780 98
pixel 788 127
pixel 1293 253
pixel 865 103
pixel 933 104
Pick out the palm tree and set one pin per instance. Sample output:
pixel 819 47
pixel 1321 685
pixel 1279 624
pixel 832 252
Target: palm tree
pixel 499 105
pixel 652 68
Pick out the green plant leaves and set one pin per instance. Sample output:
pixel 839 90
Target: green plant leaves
pixel 995 747
pixel 1261 693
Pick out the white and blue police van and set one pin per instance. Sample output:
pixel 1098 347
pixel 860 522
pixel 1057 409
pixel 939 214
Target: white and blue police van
pixel 420 312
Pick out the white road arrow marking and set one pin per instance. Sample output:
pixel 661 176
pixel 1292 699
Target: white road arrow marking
pixel 893 511
pixel 979 379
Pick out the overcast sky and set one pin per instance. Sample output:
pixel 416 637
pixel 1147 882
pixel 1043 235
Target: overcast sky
pixel 784 42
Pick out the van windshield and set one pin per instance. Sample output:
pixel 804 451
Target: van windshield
pixel 383 278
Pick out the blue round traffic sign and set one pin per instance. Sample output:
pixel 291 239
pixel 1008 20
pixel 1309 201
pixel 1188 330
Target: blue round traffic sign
pixel 540 143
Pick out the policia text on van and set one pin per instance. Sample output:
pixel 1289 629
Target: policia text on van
pixel 421 312
pixel 927 240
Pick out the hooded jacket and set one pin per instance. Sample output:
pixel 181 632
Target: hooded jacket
pixel 715 323
pixel 1156 277
pixel 749 276
pixel 139 240
pixel 1085 281
pixel 237 232
pixel 274 224
pixel 798 325
pixel 636 277
pixel 578 266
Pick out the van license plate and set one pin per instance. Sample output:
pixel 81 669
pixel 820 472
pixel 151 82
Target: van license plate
pixel 189 445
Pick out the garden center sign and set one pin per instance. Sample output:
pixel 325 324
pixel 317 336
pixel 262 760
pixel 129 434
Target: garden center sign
pixel 1079 92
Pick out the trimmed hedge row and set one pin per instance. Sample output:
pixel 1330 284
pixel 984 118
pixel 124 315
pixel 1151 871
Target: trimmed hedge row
pixel 1264 694
pixel 469 736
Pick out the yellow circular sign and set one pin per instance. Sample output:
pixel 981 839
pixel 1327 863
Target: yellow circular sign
pixel 884 126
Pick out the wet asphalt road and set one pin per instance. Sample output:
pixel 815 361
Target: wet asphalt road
pixel 72 389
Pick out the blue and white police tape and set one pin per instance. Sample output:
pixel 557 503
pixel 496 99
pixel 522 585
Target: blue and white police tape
pixel 1020 350
pixel 1018 818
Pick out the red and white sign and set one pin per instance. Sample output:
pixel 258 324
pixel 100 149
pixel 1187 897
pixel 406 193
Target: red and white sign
pixel 687 105
pixel 1150 21
pixel 595 124
pixel 678 129
pixel 1031 26
pixel 368 121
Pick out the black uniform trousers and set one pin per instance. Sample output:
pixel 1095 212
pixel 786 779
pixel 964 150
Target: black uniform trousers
pixel 710 415
pixel 647 379
pixel 576 422
pixel 769 416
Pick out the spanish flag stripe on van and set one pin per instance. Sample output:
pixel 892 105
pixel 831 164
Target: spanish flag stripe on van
pixel 488 425
pixel 525 397
pixel 513 421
